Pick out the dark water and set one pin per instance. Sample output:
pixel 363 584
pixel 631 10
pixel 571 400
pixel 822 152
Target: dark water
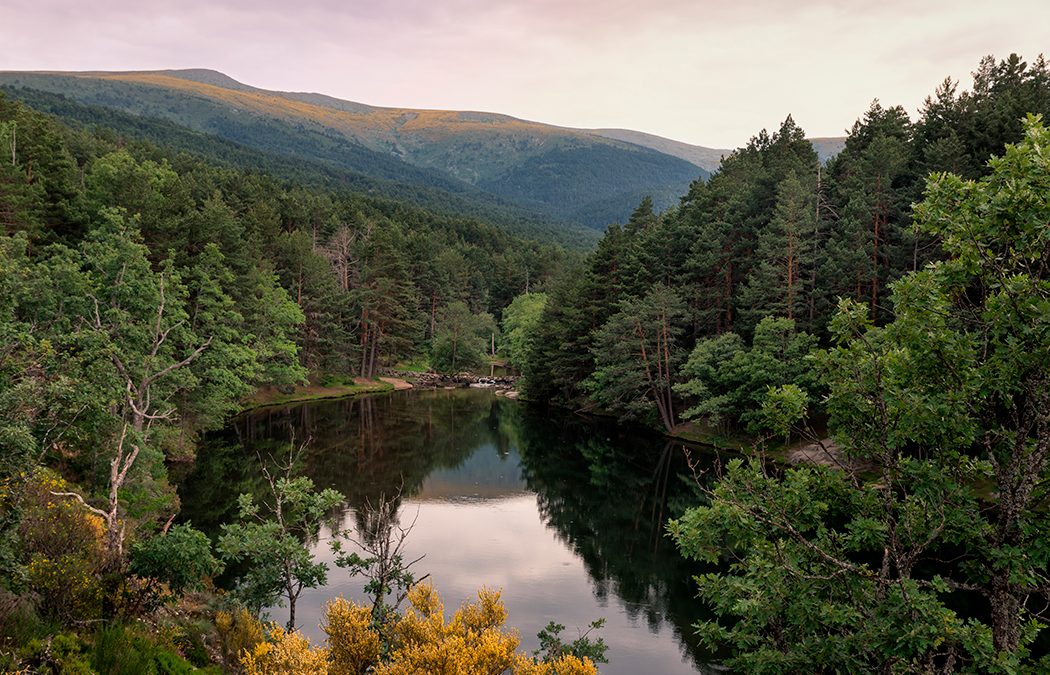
pixel 565 516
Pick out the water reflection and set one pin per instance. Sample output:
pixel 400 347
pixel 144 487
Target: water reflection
pixel 566 516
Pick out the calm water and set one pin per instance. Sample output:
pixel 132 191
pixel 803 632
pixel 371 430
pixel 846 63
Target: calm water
pixel 565 516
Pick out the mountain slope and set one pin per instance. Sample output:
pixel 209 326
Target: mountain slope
pixel 828 146
pixel 312 171
pixel 548 169
pixel 709 159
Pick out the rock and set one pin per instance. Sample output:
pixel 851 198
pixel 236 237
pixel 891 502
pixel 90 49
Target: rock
pixel 441 381
pixel 825 453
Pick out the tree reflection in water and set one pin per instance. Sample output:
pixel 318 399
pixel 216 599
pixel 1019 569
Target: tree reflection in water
pixel 606 492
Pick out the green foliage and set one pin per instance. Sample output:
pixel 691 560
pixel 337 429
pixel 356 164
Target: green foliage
pixel 461 339
pixel 553 647
pixel 271 540
pixel 784 408
pixel 637 353
pixel 729 383
pixel 121 649
pixel 181 558
pixel 946 407
pixel 521 320
pixel 775 233
pixel 780 282
pixel 65 653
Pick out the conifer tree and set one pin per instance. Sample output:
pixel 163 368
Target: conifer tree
pixel 779 282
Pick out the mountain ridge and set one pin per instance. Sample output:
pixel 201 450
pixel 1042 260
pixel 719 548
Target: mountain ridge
pixel 586 176
pixel 707 158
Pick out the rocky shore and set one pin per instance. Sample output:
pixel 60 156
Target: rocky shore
pixel 443 381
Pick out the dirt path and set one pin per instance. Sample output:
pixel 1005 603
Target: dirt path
pixel 398 384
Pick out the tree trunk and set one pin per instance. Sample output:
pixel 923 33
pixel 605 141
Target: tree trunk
pixel 291 611
pixel 365 337
pixel 433 313
pixel 877 223
pixel 376 335
pixel 790 276
pixel 1006 614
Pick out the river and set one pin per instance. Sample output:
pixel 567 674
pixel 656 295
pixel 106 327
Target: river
pixel 565 515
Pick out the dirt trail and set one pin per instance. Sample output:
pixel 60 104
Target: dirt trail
pixel 398 384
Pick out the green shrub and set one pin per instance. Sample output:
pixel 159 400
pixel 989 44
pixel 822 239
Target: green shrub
pixel 180 558
pixel 118 651
pixel 62 549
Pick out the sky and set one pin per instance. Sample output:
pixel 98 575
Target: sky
pixel 708 72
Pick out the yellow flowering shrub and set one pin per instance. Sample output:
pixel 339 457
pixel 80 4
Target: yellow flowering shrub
pixel 239 632
pixel 475 641
pixel 564 665
pixel 485 614
pixel 285 653
pixel 63 547
pixel 54 526
pixel 353 647
pixel 65 587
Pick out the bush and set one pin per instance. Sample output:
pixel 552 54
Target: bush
pixel 475 640
pixel 67 654
pixel 19 625
pixel 180 558
pixel 119 652
pixel 62 549
pixel 285 652
pixel 122 650
pixel 352 644
pixel 239 632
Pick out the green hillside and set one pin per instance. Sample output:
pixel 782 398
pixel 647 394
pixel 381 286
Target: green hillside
pixel 484 158
pixel 313 170
pixel 709 159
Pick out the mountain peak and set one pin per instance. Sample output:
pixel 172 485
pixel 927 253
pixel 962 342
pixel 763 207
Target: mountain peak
pixel 207 76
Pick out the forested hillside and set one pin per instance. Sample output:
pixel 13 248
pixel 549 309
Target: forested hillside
pixel 748 270
pixel 882 323
pixel 349 282
pixel 485 160
pixel 885 313
pixel 146 292
pixel 317 160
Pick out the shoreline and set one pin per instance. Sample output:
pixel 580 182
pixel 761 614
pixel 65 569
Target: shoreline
pixel 269 396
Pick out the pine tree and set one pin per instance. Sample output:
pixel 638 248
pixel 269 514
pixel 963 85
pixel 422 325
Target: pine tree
pixel 779 282
pixel 637 353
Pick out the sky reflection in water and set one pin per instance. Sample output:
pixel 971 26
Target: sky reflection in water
pixel 564 518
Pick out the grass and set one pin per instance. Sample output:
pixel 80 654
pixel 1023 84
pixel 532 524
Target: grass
pixel 705 435
pixel 326 388
pixel 418 364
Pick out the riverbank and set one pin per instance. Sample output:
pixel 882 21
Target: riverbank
pixel 697 433
pixel 395 380
pixel 432 380
pixel 268 396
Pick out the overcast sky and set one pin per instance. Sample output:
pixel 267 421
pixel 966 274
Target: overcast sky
pixel 703 71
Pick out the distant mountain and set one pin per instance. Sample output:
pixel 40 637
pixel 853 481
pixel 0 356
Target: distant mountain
pixel 564 174
pixel 709 159
pixel 828 146
pixel 469 203
pixel 485 164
